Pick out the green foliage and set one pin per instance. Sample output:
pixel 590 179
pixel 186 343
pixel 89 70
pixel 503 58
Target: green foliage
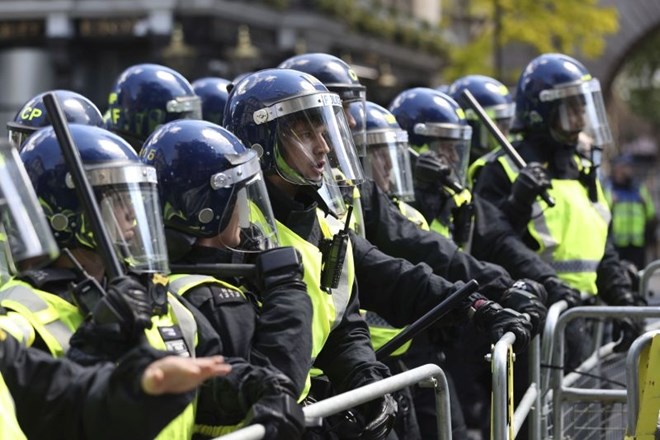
pixel 573 27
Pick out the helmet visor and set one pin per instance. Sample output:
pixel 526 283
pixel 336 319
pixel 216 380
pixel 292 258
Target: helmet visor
pixel 188 107
pixel 451 143
pixel 18 137
pixel 248 223
pixel 355 112
pixel 580 109
pixel 27 233
pixel 388 163
pixel 131 212
pixel 312 133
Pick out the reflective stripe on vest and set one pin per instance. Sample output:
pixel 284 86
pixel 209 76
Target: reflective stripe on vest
pixel 631 209
pixel 382 332
pixel 183 426
pixel 329 307
pixel 412 214
pixel 53 318
pixel 571 235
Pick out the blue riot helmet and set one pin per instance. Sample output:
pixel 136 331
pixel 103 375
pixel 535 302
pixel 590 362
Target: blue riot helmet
pixel 339 78
pixel 434 121
pixel 296 124
pixel 146 96
pixel 24 234
pixel 211 185
pixel 557 98
pixel 125 189
pixel 495 99
pixel 388 161
pixel 33 115
pixel 213 93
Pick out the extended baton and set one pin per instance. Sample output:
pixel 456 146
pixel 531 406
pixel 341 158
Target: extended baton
pixel 501 139
pixel 84 191
pixel 429 318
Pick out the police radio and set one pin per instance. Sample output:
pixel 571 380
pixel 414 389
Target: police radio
pixel 334 253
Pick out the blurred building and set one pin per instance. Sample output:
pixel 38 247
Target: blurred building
pixel 84 44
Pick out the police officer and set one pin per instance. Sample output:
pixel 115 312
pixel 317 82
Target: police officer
pixel 557 100
pixel 495 98
pixel 109 320
pixel 33 115
pixel 633 213
pixel 43 395
pixel 216 209
pixel 146 96
pixel 298 148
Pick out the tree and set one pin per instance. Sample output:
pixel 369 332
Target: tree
pixel 573 27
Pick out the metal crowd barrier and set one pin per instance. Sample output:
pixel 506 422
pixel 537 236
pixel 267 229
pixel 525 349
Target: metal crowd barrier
pixel 609 404
pixel 427 375
pixel 503 428
pixel 632 377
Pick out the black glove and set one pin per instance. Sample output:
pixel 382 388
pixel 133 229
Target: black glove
pixel 370 421
pixel 625 331
pixel 559 290
pixel 430 171
pixel 490 317
pixel 527 296
pixel 278 267
pixel 280 414
pixel 532 181
pixel 127 304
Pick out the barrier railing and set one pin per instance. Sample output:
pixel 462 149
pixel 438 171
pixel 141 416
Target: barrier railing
pixel 427 375
pixel 561 391
pixel 632 377
pixel 503 427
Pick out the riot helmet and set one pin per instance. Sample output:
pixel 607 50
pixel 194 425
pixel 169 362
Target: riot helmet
pixel 388 161
pixel 125 190
pixel 211 185
pixel 33 115
pixel 298 127
pixel 339 78
pixel 24 235
pixel 495 99
pixel 435 122
pixel 557 98
pixel 213 93
pixel 146 96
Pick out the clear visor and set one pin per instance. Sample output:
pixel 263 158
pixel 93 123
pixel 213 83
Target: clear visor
pixel 356 116
pixel 7 268
pixel 580 109
pixel 28 235
pixel 388 163
pixel 131 212
pixel 189 107
pixel 18 137
pixel 455 153
pixel 248 223
pixel 312 134
pixel 485 139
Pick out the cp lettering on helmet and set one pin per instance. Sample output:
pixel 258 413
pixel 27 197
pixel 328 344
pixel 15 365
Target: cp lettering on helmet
pixel 31 113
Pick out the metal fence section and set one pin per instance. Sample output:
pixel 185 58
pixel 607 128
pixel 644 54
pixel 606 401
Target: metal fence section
pixel 503 427
pixel 583 404
pixel 632 377
pixel 427 375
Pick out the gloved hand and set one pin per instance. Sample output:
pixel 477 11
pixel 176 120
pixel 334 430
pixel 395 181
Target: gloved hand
pixel 528 296
pixel 430 171
pixel 559 290
pixel 532 181
pixel 370 421
pixel 278 267
pixel 625 330
pixel 490 317
pixel 126 304
pixel 280 414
